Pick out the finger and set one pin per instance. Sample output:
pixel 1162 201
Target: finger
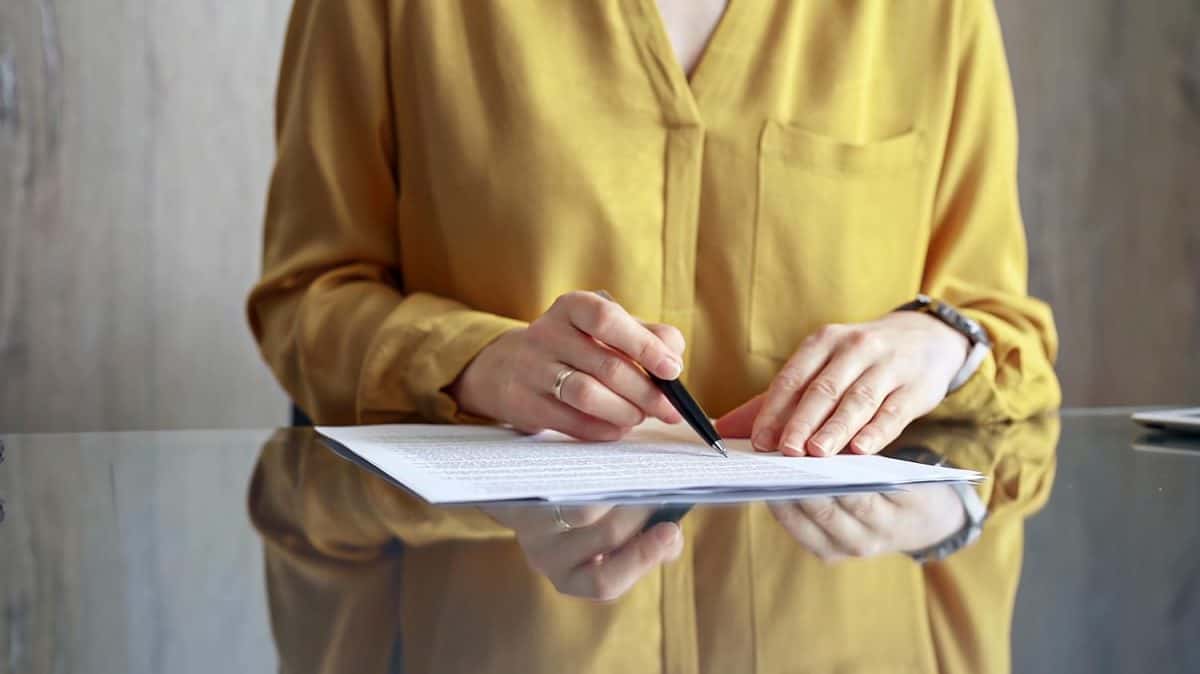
pixel 603 536
pixel 820 398
pixel 896 411
pixel 542 410
pixel 612 577
pixel 804 530
pixel 670 335
pixel 574 517
pixel 739 422
pixel 848 535
pixel 609 323
pixel 875 512
pixel 787 386
pixel 857 407
pixel 586 394
pixel 615 371
pixel 556 554
pixel 538 521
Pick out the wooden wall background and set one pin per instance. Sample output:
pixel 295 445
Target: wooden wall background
pixel 135 146
pixel 1108 94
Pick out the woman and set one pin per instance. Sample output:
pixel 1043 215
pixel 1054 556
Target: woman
pixel 448 170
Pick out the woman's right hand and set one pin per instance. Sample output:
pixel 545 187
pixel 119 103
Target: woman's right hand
pixel 594 552
pixel 512 380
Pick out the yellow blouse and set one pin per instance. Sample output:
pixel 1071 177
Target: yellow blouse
pixel 447 168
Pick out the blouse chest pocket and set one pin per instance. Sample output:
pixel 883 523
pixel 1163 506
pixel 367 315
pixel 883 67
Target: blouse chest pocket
pixel 839 234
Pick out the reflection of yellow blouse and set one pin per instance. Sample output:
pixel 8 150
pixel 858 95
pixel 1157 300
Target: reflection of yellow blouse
pixel 743 598
pixel 447 168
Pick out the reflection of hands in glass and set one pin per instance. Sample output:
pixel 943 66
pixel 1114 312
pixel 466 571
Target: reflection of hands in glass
pixel 595 552
pixel 869 525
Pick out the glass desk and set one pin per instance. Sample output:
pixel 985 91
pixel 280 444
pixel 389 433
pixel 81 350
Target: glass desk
pixel 136 552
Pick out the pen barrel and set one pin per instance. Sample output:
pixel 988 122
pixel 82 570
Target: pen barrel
pixel 688 408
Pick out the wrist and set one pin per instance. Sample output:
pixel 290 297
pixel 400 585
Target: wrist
pixel 474 389
pixel 947 349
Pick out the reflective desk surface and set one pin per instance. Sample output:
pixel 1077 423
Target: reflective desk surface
pixel 135 552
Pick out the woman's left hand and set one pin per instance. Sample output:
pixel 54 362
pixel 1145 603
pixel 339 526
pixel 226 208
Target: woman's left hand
pixel 853 386
pixel 868 525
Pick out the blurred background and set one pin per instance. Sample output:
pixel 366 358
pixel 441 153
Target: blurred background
pixel 136 143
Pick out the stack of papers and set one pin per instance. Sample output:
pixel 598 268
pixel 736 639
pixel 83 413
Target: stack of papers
pixel 656 463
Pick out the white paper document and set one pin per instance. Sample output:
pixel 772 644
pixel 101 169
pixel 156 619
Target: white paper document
pixel 655 463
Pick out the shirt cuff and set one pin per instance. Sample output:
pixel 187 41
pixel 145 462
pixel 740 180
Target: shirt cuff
pixel 410 363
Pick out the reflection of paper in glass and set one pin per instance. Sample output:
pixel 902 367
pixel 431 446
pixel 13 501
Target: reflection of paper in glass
pixel 656 462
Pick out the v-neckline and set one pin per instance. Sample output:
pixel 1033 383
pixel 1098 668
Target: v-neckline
pixel 711 67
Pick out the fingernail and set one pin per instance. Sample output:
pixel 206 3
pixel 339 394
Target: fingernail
pixel 821 443
pixel 764 440
pixel 792 449
pixel 864 444
pixel 666 535
pixel 669 368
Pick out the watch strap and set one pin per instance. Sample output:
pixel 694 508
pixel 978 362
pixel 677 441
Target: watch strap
pixel 975 357
pixel 975 512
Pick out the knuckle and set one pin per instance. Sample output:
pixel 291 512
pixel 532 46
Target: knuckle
pixel 864 340
pixel 574 297
pixel 646 349
pixel 538 332
pixel 604 317
pixel 610 367
pixel 565 302
pixel 836 426
pixel 862 509
pixel 857 337
pixel 790 517
pixel 830 331
pixel 890 360
pixel 864 395
pixel 788 379
pixel 891 411
pixel 824 387
pixel 824 513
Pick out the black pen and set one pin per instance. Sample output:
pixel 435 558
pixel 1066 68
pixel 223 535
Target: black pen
pixel 691 412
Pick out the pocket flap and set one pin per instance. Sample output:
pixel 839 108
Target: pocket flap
pixel 823 153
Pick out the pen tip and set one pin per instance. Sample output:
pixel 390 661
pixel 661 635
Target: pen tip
pixel 721 448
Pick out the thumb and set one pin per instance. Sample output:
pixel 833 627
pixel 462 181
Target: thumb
pixel 739 422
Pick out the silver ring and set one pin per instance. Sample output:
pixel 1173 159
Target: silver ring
pixel 561 523
pixel 559 381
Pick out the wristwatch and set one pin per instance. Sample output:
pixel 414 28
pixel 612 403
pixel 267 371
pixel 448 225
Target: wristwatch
pixel 973 508
pixel 970 328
